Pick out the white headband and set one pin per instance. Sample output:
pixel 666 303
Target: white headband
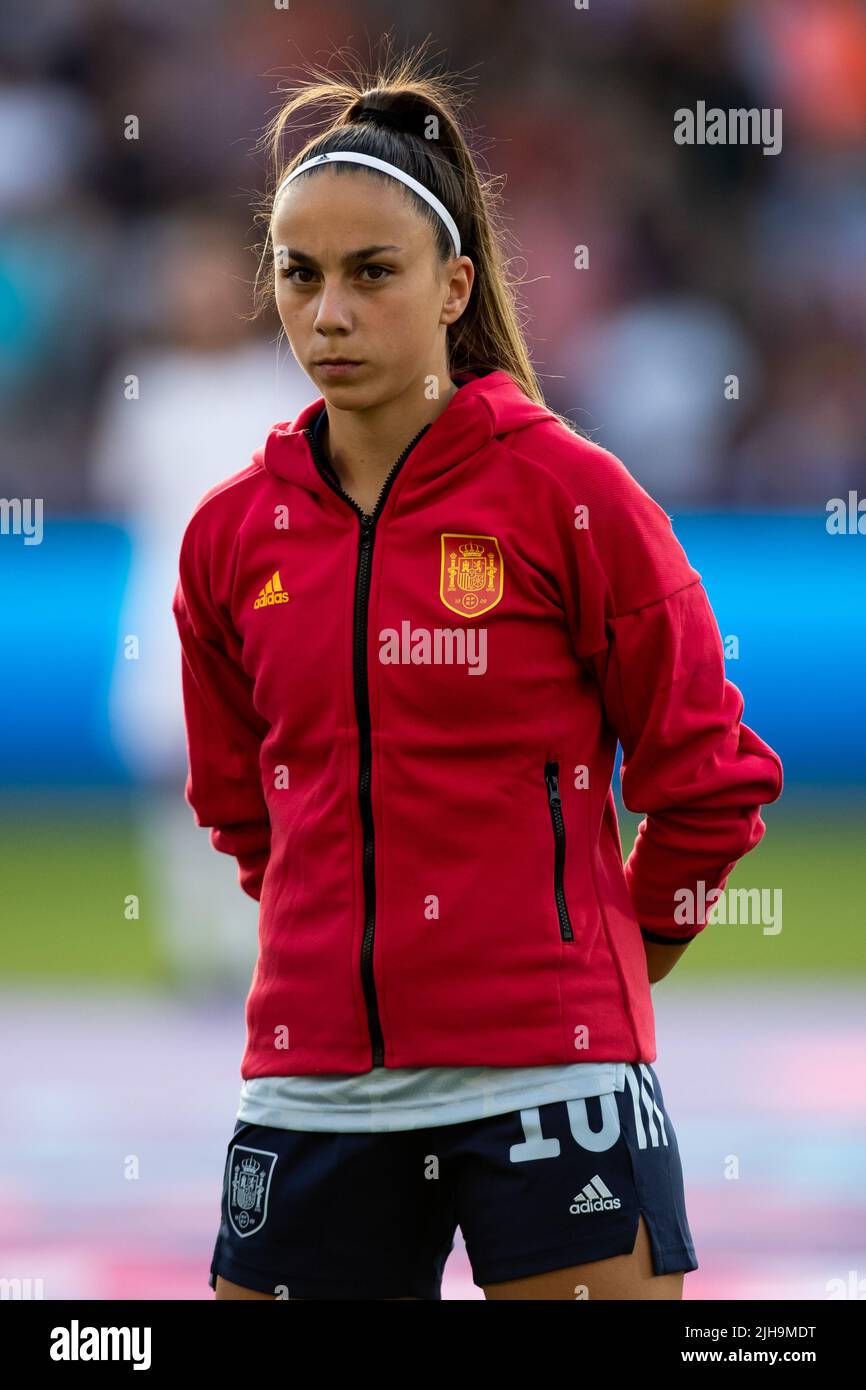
pixel 354 158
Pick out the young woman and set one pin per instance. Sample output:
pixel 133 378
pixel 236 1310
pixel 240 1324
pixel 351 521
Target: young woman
pixel 413 630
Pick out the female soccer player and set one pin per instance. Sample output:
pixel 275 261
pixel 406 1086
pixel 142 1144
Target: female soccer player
pixel 413 629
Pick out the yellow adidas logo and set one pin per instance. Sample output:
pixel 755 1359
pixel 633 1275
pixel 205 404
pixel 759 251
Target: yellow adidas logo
pixel 273 592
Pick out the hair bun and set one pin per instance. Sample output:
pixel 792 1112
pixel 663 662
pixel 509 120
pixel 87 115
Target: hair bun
pixel 398 111
pixel 375 115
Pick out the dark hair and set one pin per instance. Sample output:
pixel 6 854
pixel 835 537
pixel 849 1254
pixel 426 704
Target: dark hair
pixel 410 118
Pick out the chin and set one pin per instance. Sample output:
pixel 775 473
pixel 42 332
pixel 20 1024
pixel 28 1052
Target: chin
pixel 353 395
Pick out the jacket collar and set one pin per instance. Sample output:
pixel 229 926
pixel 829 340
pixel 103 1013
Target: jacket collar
pixel 486 406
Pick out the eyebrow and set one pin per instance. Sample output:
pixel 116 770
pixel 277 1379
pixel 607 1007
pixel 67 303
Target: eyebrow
pixel 349 257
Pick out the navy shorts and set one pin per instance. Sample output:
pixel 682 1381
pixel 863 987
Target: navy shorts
pixel 372 1216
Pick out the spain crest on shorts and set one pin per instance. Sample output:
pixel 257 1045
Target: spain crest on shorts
pixel 249 1182
pixel 471 575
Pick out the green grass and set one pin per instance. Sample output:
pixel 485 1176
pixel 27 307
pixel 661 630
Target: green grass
pixel 816 861
pixel 65 879
pixel 66 870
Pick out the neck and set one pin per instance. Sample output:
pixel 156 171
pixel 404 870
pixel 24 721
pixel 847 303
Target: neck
pixel 364 445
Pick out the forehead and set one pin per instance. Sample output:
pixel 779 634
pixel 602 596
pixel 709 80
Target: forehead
pixel 350 205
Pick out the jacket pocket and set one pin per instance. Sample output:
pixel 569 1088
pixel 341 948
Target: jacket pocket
pixel 551 778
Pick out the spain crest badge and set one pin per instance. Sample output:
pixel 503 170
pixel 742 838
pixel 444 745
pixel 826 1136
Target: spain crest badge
pixel 471 574
pixel 248 1188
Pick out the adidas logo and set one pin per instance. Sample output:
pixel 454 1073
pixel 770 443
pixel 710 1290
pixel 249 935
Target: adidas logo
pixel 594 1197
pixel 273 592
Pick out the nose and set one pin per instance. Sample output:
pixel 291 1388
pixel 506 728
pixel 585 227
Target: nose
pixel 332 309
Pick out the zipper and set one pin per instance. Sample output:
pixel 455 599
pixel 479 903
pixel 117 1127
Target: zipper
pixel 366 537
pixel 551 771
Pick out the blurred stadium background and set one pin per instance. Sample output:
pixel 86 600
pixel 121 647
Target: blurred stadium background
pixel 123 1036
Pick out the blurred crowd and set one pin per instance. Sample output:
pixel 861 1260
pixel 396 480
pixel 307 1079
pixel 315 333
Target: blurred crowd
pixel 133 378
pixel 123 258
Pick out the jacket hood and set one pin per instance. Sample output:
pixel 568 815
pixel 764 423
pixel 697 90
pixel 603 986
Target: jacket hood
pixel 486 407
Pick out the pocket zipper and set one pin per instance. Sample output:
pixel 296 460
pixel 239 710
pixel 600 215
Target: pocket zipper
pixel 551 771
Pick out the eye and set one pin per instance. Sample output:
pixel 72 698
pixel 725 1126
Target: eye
pixel 293 270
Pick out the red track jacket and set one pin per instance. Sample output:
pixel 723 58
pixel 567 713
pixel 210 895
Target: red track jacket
pixel 403 725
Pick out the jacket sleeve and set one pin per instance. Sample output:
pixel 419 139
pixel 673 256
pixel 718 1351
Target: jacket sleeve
pixel 644 627
pixel 690 765
pixel 223 732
